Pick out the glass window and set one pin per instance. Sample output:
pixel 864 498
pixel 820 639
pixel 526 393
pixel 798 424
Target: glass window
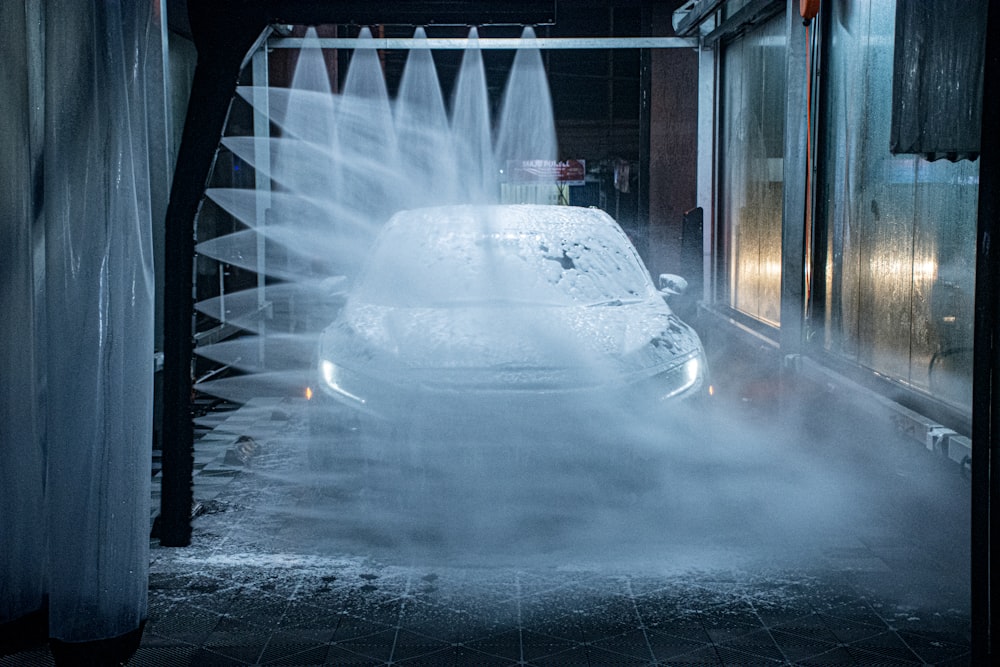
pixel 897 234
pixel 752 140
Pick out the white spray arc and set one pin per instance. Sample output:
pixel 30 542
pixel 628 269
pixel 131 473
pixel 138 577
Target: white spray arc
pixel 341 166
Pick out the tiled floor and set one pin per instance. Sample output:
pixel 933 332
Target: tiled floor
pixel 287 569
pixel 259 588
pixel 325 611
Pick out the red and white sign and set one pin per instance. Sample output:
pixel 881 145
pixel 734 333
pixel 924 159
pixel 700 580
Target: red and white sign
pixel 525 172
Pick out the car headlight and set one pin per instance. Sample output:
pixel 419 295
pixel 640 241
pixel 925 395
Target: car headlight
pixel 682 378
pixel 340 380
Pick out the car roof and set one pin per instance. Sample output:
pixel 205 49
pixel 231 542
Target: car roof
pixel 505 217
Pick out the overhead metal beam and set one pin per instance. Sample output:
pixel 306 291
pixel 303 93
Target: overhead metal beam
pixel 753 13
pixel 697 13
pixel 365 12
pixel 448 43
pixel 409 12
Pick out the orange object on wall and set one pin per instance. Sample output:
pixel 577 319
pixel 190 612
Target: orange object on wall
pixel 808 9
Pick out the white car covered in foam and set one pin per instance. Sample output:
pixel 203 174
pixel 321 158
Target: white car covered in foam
pixel 508 307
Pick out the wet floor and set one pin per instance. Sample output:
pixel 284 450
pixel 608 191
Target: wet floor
pixel 268 582
pixel 250 590
pixel 294 565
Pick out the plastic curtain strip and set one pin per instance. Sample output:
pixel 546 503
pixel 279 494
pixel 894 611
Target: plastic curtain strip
pixel 21 454
pixel 78 300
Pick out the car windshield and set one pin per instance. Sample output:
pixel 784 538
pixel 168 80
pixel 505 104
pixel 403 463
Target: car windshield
pixel 579 259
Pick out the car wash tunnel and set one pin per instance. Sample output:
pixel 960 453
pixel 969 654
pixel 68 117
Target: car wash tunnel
pixel 605 332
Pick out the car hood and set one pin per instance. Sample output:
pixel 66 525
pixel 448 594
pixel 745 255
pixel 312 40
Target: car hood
pixel 532 344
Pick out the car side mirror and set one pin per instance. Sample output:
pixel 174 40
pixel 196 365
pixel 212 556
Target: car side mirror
pixel 671 285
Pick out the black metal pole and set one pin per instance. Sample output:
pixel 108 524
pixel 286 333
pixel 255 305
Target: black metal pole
pixel 202 130
pixel 985 375
pixel 223 38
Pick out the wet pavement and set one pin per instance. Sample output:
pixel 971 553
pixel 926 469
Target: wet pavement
pixel 250 591
pixel 275 576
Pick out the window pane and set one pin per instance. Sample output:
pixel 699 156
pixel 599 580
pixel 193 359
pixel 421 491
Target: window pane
pixel 753 127
pixel 899 231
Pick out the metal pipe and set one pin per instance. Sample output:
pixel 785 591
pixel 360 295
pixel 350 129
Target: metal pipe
pixel 642 221
pixel 262 183
pixel 795 206
pixel 449 43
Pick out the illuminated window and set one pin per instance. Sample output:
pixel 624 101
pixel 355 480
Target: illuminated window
pixel 751 170
pixel 896 234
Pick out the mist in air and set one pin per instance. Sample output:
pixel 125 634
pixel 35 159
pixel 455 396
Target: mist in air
pixel 591 479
